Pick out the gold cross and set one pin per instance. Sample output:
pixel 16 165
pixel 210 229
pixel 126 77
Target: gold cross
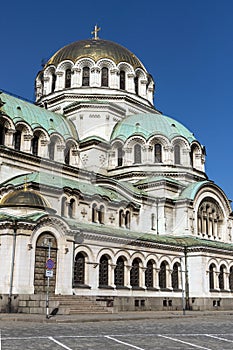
pixel 25 183
pixel 96 32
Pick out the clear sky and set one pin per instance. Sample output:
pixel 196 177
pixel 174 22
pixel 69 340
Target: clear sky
pixel 187 46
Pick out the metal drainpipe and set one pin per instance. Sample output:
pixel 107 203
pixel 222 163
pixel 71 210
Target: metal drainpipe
pixel 12 266
pixel 186 279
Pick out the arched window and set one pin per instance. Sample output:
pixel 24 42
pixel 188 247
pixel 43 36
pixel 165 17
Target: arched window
pixel 35 144
pixel 63 206
pixel 163 275
pixel 3 131
pixel 211 276
pixel 135 273
pixel 119 272
pixel 119 156
pixel 122 80
pixel 210 218
pixel 103 271
pixel 68 78
pixel 177 154
pixel 231 279
pixel 104 76
pixel 149 275
pixel 17 140
pixel 221 277
pixel 101 214
pixel 136 85
pixel 86 76
pixel 94 213
pixel 79 269
pixel 71 208
pixel 54 78
pixel 121 218
pixel 137 153
pixel 158 153
pixel 175 276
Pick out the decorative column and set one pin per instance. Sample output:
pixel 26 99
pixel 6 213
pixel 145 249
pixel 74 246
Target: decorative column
pixel 76 77
pixel 130 83
pixel 60 81
pixel 114 79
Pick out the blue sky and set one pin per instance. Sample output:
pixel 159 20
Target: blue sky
pixel 187 46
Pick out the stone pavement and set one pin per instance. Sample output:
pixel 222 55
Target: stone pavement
pixel 120 316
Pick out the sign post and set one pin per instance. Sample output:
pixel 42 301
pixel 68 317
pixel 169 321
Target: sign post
pixel 49 273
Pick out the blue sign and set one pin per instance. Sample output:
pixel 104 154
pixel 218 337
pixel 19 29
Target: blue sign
pixel 50 264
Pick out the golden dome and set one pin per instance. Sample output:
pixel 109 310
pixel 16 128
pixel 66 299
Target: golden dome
pixel 96 50
pixel 25 198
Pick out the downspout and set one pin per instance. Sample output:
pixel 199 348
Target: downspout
pixel 12 266
pixel 187 306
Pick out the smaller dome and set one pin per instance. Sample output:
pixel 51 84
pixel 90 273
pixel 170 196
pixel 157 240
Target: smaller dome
pixel 148 125
pixel 26 198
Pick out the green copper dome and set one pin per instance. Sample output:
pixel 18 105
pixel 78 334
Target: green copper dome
pixel 148 125
pixel 96 50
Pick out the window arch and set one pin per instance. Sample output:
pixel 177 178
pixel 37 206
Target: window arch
pixel 149 274
pixel 63 206
pixel 175 276
pixel 211 276
pixel 209 218
pixel 51 148
pixel 86 76
pixel 122 80
pixel 3 131
pixel 137 153
pixel 68 78
pixel 163 275
pixel 121 218
pixel 119 272
pixel 103 271
pixel 35 144
pixel 104 76
pixel 127 219
pixel 158 153
pixel 135 273
pixel 79 269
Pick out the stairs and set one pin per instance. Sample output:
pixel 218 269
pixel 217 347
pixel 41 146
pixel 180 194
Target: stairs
pixel 77 304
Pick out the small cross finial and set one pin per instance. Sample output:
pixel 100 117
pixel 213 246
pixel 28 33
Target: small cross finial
pixel 25 183
pixel 95 31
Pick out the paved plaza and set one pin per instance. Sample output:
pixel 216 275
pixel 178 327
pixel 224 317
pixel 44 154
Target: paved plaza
pixel 121 331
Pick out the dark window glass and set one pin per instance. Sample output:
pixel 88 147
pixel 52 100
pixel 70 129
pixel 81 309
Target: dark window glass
pixel 68 78
pixel 175 276
pixel 162 275
pixel 119 272
pixel 35 143
pixel 158 153
pixel 221 277
pixel 119 156
pixel 103 271
pixel 71 208
pixel 177 154
pixel 52 148
pixel 137 153
pixel 121 218
pixel 54 78
pixel 17 140
pixel 127 219
pixel 63 206
pixel 136 85
pixel 3 131
pixel 104 76
pixel 86 76
pixel 134 273
pixel 101 214
pixel 149 277
pixel 122 80
pixel 231 279
pixel 79 269
pixel 211 276
pixel 94 213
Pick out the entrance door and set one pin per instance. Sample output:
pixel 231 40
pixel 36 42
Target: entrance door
pixel 42 255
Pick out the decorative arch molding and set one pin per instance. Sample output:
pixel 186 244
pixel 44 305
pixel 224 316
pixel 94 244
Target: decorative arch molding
pixel 65 65
pixel 106 63
pixel 84 62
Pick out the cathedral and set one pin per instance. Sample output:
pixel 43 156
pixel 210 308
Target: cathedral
pixel 104 197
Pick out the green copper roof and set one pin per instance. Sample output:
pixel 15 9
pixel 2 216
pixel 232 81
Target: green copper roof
pixel 28 218
pixel 148 125
pixel 191 190
pixel 20 110
pixel 56 181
